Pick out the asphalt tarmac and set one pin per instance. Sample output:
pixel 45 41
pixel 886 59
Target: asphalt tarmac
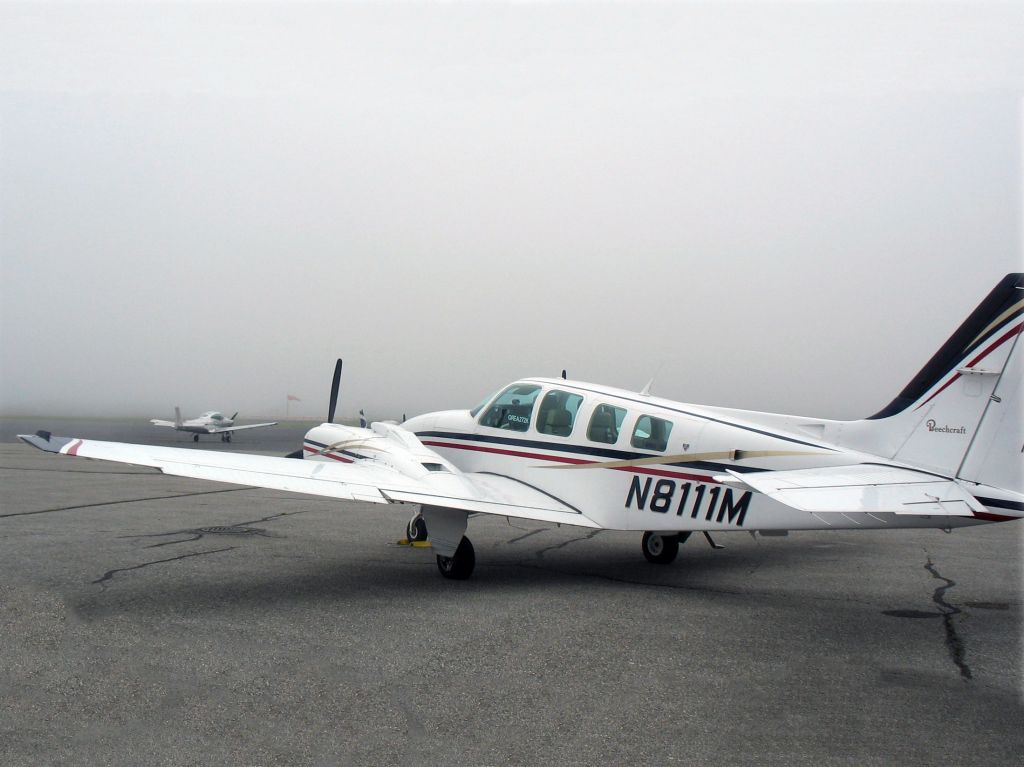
pixel 153 620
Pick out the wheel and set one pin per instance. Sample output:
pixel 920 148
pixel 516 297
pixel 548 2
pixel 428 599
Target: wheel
pixel 195 437
pixel 660 548
pixel 227 437
pixel 460 566
pixel 416 530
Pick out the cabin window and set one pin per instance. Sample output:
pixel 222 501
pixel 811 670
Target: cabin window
pixel 558 413
pixel 605 424
pixel 651 433
pixel 513 409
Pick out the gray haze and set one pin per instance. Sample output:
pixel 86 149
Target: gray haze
pixel 778 207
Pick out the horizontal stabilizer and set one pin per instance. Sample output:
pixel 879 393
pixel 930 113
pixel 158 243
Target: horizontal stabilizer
pixel 862 488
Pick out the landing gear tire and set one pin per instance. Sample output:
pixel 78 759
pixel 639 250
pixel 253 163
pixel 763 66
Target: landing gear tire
pixel 195 437
pixel 416 530
pixel 660 548
pixel 227 437
pixel 459 566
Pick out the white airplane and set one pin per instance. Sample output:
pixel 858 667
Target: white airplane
pixel 945 453
pixel 210 422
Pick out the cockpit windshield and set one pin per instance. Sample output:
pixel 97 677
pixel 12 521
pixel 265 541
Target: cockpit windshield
pixel 480 405
pixel 513 409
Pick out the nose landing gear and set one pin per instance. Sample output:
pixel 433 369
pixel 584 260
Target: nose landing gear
pixel 660 548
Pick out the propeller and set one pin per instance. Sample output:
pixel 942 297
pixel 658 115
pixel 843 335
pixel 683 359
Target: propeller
pixel 234 416
pixel 335 385
pixel 331 407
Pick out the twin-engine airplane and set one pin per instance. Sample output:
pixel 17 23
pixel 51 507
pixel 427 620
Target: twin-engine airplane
pixel 945 453
pixel 210 422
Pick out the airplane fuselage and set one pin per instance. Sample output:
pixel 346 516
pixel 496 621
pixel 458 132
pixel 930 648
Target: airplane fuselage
pixel 635 462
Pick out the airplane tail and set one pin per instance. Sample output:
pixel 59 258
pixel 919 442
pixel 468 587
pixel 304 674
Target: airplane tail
pixel 961 414
pixel 177 417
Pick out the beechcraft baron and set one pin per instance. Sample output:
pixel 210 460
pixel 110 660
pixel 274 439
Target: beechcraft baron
pixel 210 422
pixel 945 453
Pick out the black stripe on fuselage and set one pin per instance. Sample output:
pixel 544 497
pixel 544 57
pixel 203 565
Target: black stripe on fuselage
pixel 595 452
pixel 999 503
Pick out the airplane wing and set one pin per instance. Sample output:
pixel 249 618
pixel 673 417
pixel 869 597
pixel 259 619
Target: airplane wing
pixel 480 493
pixel 222 429
pixel 862 488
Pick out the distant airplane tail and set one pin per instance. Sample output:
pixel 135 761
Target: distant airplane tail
pixel 177 417
pixel 961 414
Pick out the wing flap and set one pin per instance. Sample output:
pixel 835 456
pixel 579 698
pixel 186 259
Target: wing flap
pixel 505 496
pixel 863 488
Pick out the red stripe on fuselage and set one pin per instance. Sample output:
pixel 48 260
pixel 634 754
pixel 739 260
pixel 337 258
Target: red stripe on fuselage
pixel 995 345
pixel 73 450
pixel 988 516
pixel 573 461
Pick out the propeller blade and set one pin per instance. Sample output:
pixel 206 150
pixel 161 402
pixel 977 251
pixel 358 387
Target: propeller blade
pixel 234 416
pixel 335 385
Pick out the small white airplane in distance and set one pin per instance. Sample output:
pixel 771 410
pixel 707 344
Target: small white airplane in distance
pixel 945 453
pixel 210 422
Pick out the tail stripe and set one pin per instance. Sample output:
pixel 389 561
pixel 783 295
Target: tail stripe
pixel 1000 308
pixel 1006 337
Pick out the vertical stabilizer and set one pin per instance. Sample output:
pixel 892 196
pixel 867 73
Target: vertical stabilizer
pixel 960 415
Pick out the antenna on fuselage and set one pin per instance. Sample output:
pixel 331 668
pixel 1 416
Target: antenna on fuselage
pixel 335 386
pixel 646 391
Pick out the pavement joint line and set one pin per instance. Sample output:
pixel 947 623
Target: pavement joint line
pixel 126 500
pixel 86 471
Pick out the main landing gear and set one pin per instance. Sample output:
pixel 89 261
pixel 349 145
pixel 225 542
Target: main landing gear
pixel 223 437
pixel 459 566
pixel 195 437
pixel 416 530
pixel 662 548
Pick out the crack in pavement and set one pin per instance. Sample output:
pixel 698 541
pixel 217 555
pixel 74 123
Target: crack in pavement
pixel 197 533
pixel 127 500
pixel 954 643
pixel 527 535
pixel 539 554
pixel 111 573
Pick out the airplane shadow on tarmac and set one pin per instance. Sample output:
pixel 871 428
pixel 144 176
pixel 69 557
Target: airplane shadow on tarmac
pixel 408 575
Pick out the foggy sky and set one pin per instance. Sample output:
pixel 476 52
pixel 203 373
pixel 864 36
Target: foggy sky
pixel 776 207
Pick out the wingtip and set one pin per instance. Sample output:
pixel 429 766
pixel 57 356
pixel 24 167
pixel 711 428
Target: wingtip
pixel 44 440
